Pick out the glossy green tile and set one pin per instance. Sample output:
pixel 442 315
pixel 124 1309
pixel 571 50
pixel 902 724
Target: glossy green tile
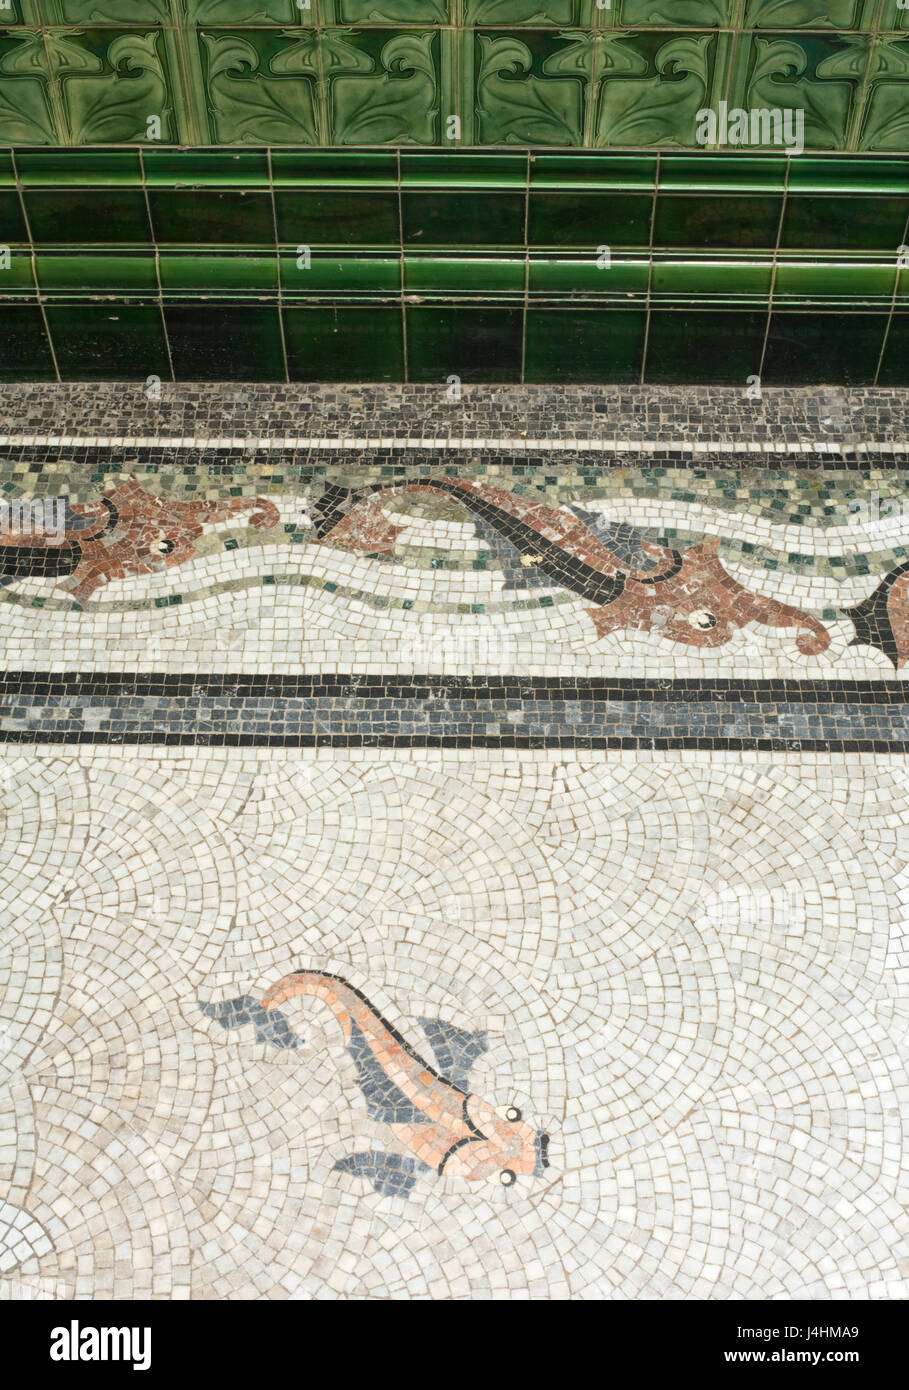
pixel 589 275
pixel 463 219
pixel 202 168
pixel 791 14
pixel 540 12
pixel 385 88
pixel 834 348
pixel 822 222
pixel 12 224
pixel 208 218
pixel 584 345
pixel 108 342
pixel 346 344
pixel 527 89
pixel 132 274
pixel 316 217
pixel 334 168
pixel 472 343
pixel 231 271
pixel 107 169
pixel 465 274
pixel 25 355
pixel 340 274
pixel 708 277
pixel 88 216
pixel 17 278
pixel 481 169
pixel 590 219
pixel 741 172
pixel 606 171
pixel 718 347
pixel 729 222
pixel 225 343
pixel 895 364
pixel 836 279
pixel 701 13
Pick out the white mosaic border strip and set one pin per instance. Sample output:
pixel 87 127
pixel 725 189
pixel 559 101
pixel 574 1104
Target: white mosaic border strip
pixel 453 444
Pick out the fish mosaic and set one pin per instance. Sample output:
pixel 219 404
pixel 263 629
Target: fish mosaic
pixel 129 531
pixel 684 594
pixel 593 537
pixel 430 1111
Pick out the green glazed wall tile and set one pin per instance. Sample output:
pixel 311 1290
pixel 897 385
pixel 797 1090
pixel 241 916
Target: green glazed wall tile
pixel 349 344
pixel 79 168
pixel 225 343
pixel 590 219
pixel 813 14
pixel 212 218
pixel 259 87
pixel 734 221
pixel 17 279
pixel 340 274
pixel 12 223
pixel 117 274
pixel 895 363
pixel 88 217
pixel 453 219
pixel 384 86
pixel 475 344
pixel 584 345
pixel 225 273
pixel 477 275
pixel 856 281
pixel 109 342
pixel 829 222
pixel 823 348
pixel 584 275
pixel 25 354
pixel 708 278
pixel 320 218
pixel 721 347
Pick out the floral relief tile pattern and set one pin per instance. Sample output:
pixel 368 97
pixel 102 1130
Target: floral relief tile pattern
pixel 563 73
pixel 436 870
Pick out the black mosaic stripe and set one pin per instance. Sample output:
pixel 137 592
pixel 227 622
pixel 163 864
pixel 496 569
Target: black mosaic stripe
pixel 453 712
pixel 643 454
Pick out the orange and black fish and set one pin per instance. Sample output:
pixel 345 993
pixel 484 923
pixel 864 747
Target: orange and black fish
pixel 432 1114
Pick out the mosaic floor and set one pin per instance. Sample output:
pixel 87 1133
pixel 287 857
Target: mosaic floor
pixel 454 866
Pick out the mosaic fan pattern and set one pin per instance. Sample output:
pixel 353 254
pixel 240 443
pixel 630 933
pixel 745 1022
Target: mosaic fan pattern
pixel 463 860
pixel 375 72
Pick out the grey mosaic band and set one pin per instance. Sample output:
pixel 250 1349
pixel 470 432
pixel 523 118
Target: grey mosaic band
pixel 434 712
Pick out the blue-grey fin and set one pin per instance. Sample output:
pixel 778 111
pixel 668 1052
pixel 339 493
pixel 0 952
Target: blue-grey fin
pixel 624 540
pixel 270 1024
pixel 385 1101
pixel 455 1049
pixel 392 1175
pixel 507 559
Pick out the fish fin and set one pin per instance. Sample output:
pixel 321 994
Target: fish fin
pixel 270 1024
pixel 392 1175
pixel 871 618
pixel 455 1049
pixel 626 542
pixel 385 1101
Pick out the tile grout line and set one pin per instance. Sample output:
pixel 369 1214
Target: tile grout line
pixel 773 273
pixel 274 220
pixel 153 234
pixel 526 268
pixel 34 265
pixel 653 213
pixel 893 302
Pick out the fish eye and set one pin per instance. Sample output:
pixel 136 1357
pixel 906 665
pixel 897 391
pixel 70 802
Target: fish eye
pixel 701 619
pixel 507 1177
pixel 513 1114
pixel 163 547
